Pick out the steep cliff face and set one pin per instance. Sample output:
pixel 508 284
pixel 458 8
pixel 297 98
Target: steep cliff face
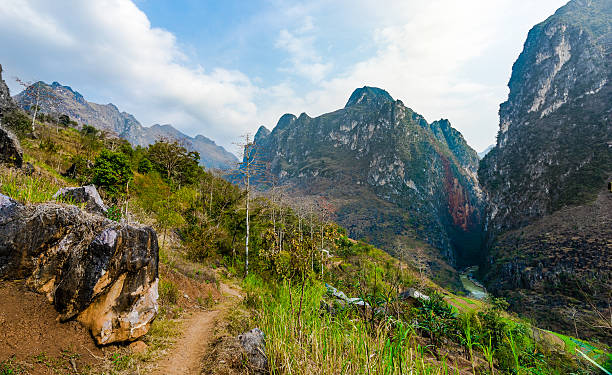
pixel 390 174
pixel 555 138
pixel 550 168
pixel 108 117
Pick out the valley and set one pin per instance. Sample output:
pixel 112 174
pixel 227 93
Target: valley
pixel 365 239
pixel 471 285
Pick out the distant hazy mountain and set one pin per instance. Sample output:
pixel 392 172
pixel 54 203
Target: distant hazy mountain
pixel 108 117
pixel 484 152
pixel 549 212
pixel 391 176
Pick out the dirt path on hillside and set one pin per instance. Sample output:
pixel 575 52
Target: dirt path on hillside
pixel 186 355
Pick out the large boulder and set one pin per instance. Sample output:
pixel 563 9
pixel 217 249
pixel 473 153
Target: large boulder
pixel 254 343
pixel 10 149
pixel 83 194
pixel 102 273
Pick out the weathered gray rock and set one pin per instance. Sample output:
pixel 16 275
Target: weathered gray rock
pixel 254 343
pixel 28 169
pixel 10 149
pixel 6 102
pixel 414 294
pixel 92 269
pixel 83 194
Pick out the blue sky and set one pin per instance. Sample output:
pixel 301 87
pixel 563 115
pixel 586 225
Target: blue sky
pixel 222 68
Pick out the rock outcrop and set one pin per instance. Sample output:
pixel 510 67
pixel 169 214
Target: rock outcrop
pixel 10 149
pixel 102 273
pixel 387 174
pixel 83 194
pixel 254 344
pixel 548 215
pixel 107 117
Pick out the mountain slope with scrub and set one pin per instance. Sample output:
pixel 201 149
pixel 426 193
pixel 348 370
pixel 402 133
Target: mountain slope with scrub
pixel 388 176
pixel 549 208
pixel 293 252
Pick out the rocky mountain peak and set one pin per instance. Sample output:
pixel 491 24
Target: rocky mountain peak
pixel 262 133
pixel 377 162
pixel 285 120
pixel 369 96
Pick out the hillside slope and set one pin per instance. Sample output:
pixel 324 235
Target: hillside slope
pixel 390 176
pixel 549 215
pixel 108 117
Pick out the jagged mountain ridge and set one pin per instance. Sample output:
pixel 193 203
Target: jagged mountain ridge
pixel 108 117
pixel 549 169
pixel 391 176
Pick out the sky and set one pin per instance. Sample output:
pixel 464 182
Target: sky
pixel 223 68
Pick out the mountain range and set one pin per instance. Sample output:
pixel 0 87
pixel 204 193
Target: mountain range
pixel 390 176
pixel 107 117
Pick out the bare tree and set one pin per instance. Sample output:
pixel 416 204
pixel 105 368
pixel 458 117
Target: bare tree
pixel 247 169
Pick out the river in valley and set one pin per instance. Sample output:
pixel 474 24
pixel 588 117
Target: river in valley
pixel 475 289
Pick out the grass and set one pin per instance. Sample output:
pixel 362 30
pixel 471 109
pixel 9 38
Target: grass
pixel 168 292
pixel 343 343
pixel 598 355
pixel 27 189
pixel 10 367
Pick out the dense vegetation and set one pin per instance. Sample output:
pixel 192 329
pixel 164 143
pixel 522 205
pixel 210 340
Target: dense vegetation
pixel 293 251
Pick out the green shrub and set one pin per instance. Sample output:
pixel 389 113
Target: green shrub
pixel 145 166
pixel 112 171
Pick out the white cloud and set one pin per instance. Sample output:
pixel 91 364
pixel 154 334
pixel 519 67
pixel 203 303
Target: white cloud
pixel 303 56
pixel 443 58
pixel 110 47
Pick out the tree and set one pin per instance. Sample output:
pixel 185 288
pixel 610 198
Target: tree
pixel 90 140
pixel 64 120
pixel 248 168
pixel 174 161
pixel 112 171
pixel 145 166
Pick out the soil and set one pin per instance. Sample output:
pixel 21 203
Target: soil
pixel 34 341
pixel 185 357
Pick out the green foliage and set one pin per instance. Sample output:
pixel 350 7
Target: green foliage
pixel 18 122
pixel 80 169
pixel 9 367
pixel 112 171
pixel 27 189
pixel 64 120
pixel 145 166
pixel 174 162
pixel 437 318
pixel 114 213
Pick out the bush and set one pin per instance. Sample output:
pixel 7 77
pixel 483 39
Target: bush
pixel 18 122
pixel 145 166
pixel 112 171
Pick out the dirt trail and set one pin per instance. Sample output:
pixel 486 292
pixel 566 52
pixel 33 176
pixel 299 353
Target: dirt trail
pixel 199 330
